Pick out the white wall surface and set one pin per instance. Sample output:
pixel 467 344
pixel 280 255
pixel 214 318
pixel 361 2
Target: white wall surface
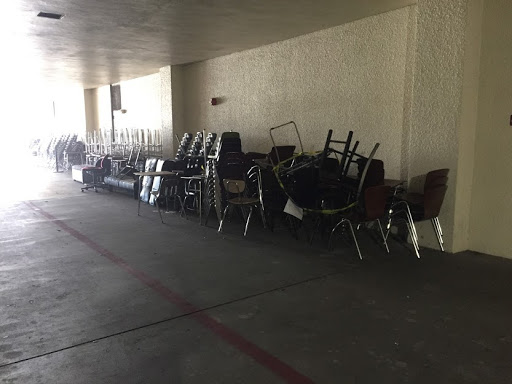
pixel 491 208
pixel 142 100
pixel 350 77
pixel 91 109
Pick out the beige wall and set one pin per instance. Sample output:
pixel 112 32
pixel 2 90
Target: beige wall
pixel 104 108
pixel 491 205
pixel 467 128
pixel 140 98
pixel 351 77
pixel 91 110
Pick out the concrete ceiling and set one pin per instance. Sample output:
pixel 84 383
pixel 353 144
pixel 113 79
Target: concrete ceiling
pixel 99 42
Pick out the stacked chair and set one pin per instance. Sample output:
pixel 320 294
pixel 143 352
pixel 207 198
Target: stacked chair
pixel 208 145
pixel 183 147
pixel 341 183
pixel 371 195
pixel 413 207
pixel 226 161
pixel 196 145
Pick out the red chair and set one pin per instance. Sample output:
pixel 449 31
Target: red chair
pixel 414 207
pixel 374 209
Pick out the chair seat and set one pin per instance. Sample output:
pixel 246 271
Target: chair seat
pixel 92 169
pixel 242 200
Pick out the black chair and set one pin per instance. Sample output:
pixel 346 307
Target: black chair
pixel 280 153
pixel 98 172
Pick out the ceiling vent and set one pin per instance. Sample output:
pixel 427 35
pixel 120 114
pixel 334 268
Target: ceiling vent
pixel 49 15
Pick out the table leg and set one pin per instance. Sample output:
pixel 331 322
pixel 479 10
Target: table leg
pixel 138 197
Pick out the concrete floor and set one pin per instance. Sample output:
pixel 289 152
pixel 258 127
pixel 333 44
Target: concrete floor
pixel 91 293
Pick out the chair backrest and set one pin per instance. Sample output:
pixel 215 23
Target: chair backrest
pixel 232 165
pixel 329 168
pixel 433 175
pixel 375 201
pixel 280 153
pixel 433 200
pixel 255 182
pixel 234 186
pixel 106 164
pixel 375 173
pixel 229 145
pixel 443 180
pixel 364 171
pixel 230 135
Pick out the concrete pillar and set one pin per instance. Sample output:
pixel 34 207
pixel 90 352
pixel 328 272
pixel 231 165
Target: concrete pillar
pixel 166 112
pixel 442 116
pixel 91 110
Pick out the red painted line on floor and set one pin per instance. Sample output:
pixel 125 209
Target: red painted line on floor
pixel 267 360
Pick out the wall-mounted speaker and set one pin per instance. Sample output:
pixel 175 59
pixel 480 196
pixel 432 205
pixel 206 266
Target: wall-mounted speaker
pixel 115 97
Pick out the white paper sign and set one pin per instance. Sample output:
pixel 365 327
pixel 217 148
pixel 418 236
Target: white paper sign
pixel 293 209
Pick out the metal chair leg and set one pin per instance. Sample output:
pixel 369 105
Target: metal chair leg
pixel 343 221
pixel 438 234
pixel 223 217
pixel 263 219
pixel 439 229
pixel 413 240
pixel 355 239
pixel 383 237
pixel 329 243
pixel 248 219
pixel 439 225
pixel 183 207
pixel 159 212
pixel 316 225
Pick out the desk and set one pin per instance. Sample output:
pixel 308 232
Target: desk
pixel 155 173
pixel 200 179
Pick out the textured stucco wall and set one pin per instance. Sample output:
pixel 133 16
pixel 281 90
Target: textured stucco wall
pixel 350 77
pixel 491 208
pixel 178 106
pixel 408 91
pixel 172 108
pixel 438 82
